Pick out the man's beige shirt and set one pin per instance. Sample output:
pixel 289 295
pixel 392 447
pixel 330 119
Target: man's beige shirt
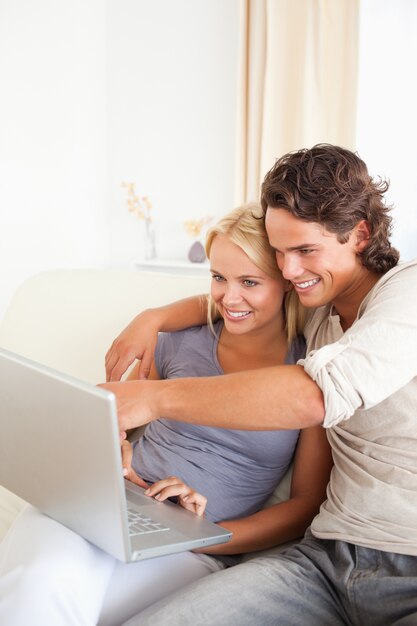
pixel 368 376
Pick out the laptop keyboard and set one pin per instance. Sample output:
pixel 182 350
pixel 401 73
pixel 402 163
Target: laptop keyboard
pixel 140 524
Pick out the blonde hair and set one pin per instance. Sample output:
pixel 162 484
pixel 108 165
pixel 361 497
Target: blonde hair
pixel 245 227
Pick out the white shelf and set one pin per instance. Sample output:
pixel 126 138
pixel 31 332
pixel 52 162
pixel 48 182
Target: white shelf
pixel 174 266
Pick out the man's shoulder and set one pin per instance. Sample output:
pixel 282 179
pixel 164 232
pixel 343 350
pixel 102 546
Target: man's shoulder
pixel 401 280
pixel 392 289
pixel 406 269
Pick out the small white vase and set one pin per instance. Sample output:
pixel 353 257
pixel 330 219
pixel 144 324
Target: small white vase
pixel 150 240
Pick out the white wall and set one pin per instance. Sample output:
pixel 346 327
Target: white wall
pixel 172 72
pixel 52 137
pixel 94 92
pixel 387 118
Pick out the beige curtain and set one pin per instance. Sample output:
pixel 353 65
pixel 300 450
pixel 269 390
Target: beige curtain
pixel 297 82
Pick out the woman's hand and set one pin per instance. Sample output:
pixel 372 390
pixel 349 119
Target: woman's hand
pixel 187 497
pixel 166 488
pixel 137 341
pixel 128 471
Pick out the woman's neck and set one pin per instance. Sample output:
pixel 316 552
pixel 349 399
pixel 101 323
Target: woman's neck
pixel 253 350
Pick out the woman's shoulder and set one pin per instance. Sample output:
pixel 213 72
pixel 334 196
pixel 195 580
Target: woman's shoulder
pixel 195 338
pixel 192 333
pixel 189 352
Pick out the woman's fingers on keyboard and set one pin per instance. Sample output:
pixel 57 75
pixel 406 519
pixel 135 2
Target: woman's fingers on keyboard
pixel 174 487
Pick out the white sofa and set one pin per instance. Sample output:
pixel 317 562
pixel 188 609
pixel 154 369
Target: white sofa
pixel 67 320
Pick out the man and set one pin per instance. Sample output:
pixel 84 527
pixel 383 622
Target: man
pixel 328 224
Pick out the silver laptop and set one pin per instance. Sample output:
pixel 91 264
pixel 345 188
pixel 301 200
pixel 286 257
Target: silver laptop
pixel 60 451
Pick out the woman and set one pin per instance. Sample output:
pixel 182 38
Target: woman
pixel 59 578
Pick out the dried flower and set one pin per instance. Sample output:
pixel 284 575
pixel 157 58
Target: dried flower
pixel 194 227
pixel 138 205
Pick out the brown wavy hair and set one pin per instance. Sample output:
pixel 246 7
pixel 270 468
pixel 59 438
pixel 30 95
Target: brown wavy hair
pixel 331 186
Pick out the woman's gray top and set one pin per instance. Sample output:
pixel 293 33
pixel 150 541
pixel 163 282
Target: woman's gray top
pixel 236 470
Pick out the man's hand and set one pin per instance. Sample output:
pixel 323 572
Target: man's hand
pixel 135 401
pixel 137 341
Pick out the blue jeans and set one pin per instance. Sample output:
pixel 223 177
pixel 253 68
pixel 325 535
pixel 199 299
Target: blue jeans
pixel 315 583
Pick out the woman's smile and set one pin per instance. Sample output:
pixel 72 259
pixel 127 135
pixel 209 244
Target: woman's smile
pixel 236 315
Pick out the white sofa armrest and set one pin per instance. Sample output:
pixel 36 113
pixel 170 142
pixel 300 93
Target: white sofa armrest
pixel 67 319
